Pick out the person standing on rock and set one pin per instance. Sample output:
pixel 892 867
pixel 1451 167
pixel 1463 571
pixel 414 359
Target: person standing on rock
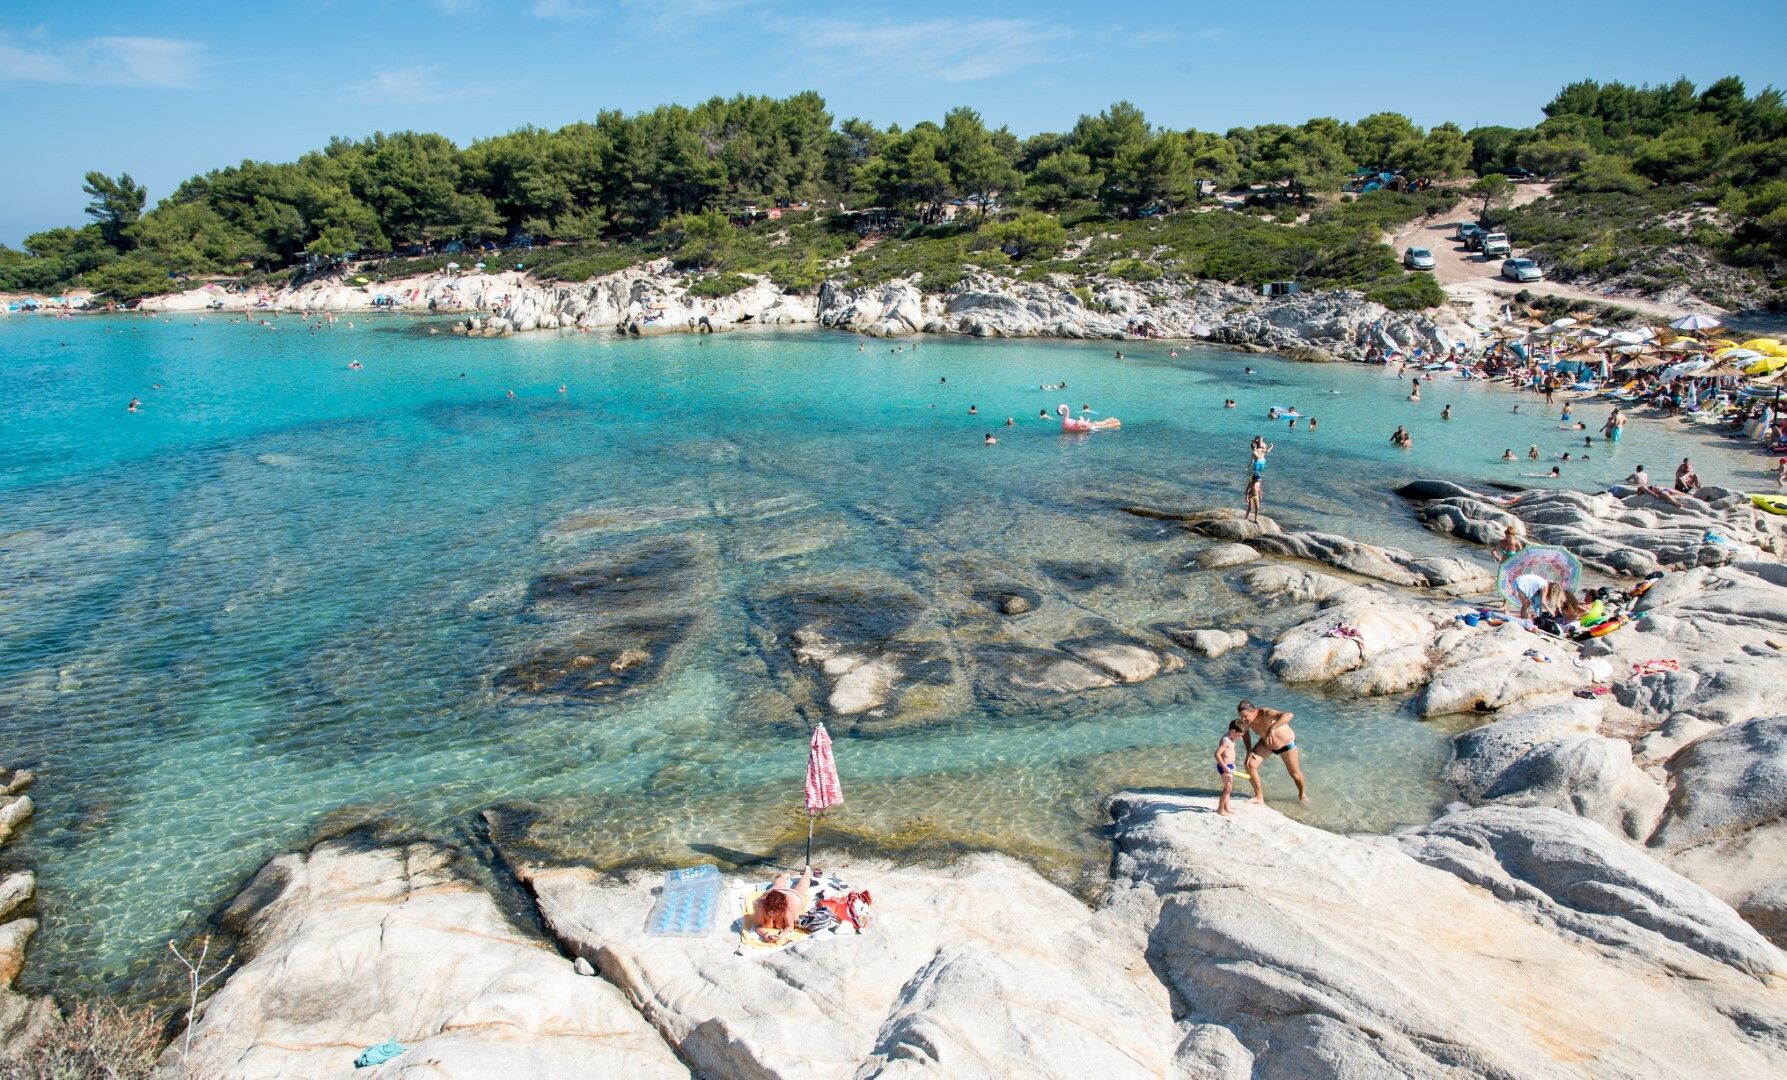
pixel 1253 499
pixel 1268 733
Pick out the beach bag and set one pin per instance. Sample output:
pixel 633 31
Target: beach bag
pixel 852 908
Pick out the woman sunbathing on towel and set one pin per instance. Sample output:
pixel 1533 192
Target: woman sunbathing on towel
pixel 781 907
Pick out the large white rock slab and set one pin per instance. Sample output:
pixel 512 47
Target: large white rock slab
pixel 1329 956
pixel 980 969
pixel 349 948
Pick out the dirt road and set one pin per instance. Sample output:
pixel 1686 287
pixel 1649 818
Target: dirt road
pixel 1471 279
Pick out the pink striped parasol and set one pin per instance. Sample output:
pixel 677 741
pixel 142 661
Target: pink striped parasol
pixel 823 789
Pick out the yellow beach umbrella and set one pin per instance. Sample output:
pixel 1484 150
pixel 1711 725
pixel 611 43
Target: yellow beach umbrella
pixel 1766 365
pixel 1762 344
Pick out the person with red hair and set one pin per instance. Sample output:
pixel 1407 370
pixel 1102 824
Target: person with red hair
pixel 782 905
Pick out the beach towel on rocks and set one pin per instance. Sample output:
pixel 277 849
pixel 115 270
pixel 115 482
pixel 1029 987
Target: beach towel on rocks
pixel 378 1055
pixel 744 901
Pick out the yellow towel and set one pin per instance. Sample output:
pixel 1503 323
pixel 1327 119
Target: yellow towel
pixel 747 936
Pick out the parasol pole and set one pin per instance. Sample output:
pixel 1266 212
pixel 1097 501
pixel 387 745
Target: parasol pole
pixel 810 816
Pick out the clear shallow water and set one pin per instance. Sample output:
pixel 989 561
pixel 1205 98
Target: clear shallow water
pixel 278 597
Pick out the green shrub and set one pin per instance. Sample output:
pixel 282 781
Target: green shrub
pixel 1030 234
pixel 719 285
pixel 1135 270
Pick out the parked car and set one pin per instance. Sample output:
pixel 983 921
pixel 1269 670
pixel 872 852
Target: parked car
pixel 1417 259
pixel 1466 230
pixel 1519 175
pixel 1495 244
pixel 1522 270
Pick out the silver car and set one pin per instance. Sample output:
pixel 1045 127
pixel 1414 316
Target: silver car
pixel 1417 259
pixel 1522 270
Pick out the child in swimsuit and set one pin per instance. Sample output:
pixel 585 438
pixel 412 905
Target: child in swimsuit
pixel 1225 766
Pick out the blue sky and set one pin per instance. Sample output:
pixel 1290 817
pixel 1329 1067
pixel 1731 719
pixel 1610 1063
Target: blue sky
pixel 167 90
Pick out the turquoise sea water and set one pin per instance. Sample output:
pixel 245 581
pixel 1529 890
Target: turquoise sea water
pixel 280 595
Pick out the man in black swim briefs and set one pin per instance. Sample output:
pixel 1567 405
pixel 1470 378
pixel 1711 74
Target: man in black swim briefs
pixel 1268 734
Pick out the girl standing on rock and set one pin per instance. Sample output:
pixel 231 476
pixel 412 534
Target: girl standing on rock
pixel 1254 488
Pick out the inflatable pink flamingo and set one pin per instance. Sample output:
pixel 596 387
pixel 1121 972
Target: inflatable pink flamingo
pixel 1076 426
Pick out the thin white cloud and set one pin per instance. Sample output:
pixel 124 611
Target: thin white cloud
pixel 562 10
pixel 164 63
pixel 454 8
pixel 417 84
pixel 944 49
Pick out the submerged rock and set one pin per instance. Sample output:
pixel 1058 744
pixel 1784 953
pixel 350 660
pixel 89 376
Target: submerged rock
pixel 862 646
pixel 617 623
pixel 600 664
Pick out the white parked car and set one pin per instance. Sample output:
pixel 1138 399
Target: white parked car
pixel 1522 270
pixel 1417 259
pixel 1495 243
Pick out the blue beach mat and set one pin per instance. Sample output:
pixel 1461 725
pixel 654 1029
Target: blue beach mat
pixel 686 904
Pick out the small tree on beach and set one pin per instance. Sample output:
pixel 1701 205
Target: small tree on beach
pixel 1493 189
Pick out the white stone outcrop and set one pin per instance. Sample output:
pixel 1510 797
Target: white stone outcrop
pixel 1327 956
pixel 349 948
pixel 979 970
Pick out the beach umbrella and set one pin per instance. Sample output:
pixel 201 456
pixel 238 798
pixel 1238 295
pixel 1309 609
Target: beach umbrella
pixel 1551 563
pixel 1695 322
pixel 1686 367
pixel 1559 324
pixel 1762 344
pixel 823 789
pixel 1686 345
pixel 1766 365
pixel 1632 337
pixel 1739 354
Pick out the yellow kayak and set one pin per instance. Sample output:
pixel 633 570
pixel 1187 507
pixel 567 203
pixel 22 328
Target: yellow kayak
pixel 1774 504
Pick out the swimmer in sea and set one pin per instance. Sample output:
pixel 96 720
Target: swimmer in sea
pixel 990 440
pixel 561 388
pixel 1009 422
pixel 1508 454
pixel 132 407
pixel 511 395
pixel 1532 453
pixel 1042 414
pixel 355 366
pixel 1229 403
pixel 1293 426
pixel 1446 413
pixel 1312 423
pixel 974 410
pixel 1247 371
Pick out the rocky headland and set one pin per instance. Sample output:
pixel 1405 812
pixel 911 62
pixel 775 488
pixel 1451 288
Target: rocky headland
pixel 653 298
pixel 1606 897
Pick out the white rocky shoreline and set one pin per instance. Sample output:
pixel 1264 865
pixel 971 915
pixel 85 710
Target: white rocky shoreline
pixel 653 298
pixel 1606 898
